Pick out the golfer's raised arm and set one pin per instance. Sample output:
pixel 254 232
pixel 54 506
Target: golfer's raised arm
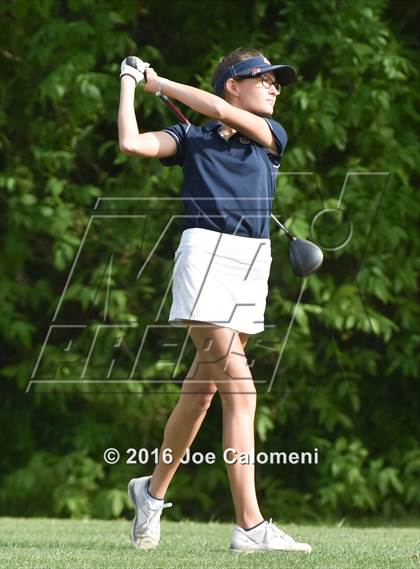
pixel 127 122
pixel 201 101
pixel 131 142
pixel 212 106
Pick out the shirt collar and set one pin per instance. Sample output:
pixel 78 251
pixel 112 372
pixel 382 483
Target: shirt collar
pixel 211 125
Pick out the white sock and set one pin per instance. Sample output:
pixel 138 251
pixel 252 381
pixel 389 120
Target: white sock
pixel 155 502
pixel 254 530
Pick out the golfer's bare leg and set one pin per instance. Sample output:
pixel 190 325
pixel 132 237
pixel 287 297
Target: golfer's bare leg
pixel 222 349
pixel 183 424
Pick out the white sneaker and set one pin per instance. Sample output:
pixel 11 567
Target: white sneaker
pixel 265 537
pixel 145 531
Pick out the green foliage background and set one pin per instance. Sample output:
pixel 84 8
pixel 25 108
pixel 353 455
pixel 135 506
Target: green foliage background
pixel 348 379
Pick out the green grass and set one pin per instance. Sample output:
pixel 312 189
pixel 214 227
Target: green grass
pixel 94 544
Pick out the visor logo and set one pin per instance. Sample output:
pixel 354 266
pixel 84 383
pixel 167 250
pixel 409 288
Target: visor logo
pixel 255 70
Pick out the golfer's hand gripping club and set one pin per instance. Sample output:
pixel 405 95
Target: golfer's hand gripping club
pixel 134 67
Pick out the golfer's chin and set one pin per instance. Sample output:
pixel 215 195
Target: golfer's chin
pixel 269 108
pixel 265 110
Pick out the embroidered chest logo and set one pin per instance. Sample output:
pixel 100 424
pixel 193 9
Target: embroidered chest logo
pixel 244 140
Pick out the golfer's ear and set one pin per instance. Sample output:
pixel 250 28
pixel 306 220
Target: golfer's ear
pixel 157 144
pixel 231 86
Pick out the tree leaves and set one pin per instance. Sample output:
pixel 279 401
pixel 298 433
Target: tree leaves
pixel 349 369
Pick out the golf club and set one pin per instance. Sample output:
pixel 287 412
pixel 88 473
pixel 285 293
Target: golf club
pixel 305 256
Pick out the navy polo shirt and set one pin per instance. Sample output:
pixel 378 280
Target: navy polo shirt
pixel 229 185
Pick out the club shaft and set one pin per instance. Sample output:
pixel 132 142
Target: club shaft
pixel 287 232
pixel 174 108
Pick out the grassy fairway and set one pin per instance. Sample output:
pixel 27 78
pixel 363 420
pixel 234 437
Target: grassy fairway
pixel 62 544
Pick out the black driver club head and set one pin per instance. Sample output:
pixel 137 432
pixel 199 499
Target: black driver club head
pixel 306 257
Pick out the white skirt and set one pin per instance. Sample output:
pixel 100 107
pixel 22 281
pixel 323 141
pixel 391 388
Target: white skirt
pixel 221 279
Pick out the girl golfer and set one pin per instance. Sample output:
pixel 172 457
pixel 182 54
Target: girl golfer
pixel 221 269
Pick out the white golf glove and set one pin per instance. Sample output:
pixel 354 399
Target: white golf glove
pixel 134 67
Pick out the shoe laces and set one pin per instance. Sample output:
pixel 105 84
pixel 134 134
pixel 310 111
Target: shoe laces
pixel 153 516
pixel 273 531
